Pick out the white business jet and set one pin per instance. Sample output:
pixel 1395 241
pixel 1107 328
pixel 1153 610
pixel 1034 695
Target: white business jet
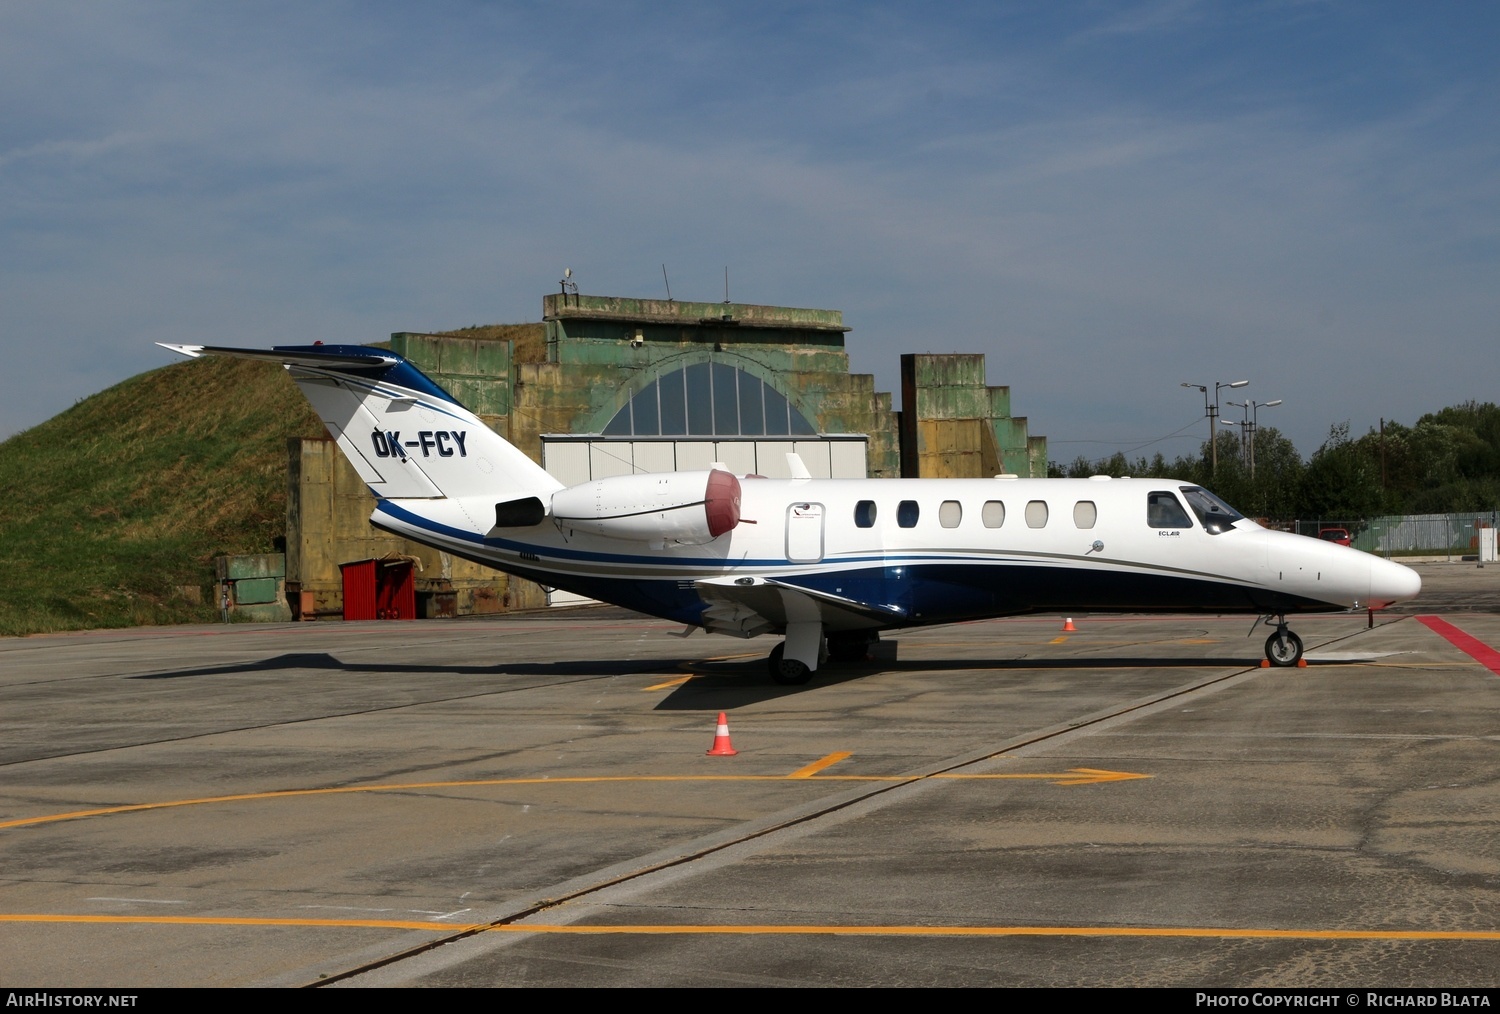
pixel 829 563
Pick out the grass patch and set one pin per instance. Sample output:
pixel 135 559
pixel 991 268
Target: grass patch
pixel 115 509
pixel 530 339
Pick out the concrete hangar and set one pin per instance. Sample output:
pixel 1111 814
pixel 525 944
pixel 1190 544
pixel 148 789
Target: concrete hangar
pixel 608 386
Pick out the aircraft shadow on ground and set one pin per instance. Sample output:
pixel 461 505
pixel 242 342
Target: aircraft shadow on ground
pixel 722 685
pixel 712 685
pixel 328 663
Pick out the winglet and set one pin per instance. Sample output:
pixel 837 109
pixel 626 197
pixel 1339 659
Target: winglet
pixel 188 350
pixel 797 466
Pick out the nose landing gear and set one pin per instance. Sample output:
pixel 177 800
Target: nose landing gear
pixel 1283 648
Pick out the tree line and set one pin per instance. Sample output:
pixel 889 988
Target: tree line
pixel 1449 461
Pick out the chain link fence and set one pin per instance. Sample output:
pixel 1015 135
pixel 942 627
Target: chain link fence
pixel 1451 536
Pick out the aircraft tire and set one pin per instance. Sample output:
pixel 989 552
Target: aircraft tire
pixel 1283 654
pixel 787 672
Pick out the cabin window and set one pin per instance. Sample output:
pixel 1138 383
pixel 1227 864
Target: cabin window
pixel 864 514
pixel 1163 511
pixel 1036 514
pixel 992 514
pixel 1085 514
pixel 950 514
pixel 907 512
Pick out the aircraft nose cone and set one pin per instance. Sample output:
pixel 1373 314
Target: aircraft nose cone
pixel 1391 582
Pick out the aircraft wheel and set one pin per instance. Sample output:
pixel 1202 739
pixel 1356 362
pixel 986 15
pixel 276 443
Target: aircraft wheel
pixel 1284 649
pixel 788 672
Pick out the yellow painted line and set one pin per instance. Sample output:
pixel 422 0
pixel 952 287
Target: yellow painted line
pixel 1058 640
pixel 1075 776
pixel 1178 932
pixel 819 765
pixel 679 681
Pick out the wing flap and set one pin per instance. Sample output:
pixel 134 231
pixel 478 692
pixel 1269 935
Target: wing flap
pixel 747 606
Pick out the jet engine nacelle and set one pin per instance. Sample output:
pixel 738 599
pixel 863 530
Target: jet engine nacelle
pixel 659 507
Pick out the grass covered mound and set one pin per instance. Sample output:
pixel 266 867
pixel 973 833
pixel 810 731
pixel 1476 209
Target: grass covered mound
pixel 114 510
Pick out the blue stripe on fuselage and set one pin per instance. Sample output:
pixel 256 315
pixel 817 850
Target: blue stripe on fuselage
pixel 926 590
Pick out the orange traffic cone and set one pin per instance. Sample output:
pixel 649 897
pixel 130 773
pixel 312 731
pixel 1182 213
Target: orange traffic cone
pixel 722 746
pixel 1068 625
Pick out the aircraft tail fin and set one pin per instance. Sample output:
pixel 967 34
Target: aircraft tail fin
pixel 404 435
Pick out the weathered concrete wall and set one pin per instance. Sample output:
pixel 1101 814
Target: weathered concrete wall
pixel 328 511
pixel 954 425
pixel 475 371
pixel 255 586
pixel 676 313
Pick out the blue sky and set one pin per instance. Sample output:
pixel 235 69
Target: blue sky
pixel 1107 199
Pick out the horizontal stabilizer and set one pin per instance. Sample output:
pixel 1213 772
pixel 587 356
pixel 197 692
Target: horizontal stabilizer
pixel 405 436
pixel 344 357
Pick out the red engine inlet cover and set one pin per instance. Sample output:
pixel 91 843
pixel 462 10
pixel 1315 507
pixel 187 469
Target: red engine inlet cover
pixel 721 502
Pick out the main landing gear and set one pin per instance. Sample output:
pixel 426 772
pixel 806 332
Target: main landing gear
pixel 787 672
pixel 1283 648
pixel 793 662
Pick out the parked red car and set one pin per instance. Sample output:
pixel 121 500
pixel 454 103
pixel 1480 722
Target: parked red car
pixel 1338 535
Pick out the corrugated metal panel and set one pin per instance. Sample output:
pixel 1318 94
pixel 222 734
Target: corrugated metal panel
pixel 395 591
pixel 359 590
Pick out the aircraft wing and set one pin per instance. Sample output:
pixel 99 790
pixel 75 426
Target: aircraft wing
pixel 747 606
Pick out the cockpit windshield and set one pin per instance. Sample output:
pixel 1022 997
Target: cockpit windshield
pixel 1216 515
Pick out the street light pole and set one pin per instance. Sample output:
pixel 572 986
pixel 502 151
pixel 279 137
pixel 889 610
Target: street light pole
pixel 1237 383
pixel 1245 452
pixel 1206 410
pixel 1212 411
pixel 1255 427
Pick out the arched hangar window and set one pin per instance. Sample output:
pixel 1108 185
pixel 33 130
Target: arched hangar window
pixel 709 400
